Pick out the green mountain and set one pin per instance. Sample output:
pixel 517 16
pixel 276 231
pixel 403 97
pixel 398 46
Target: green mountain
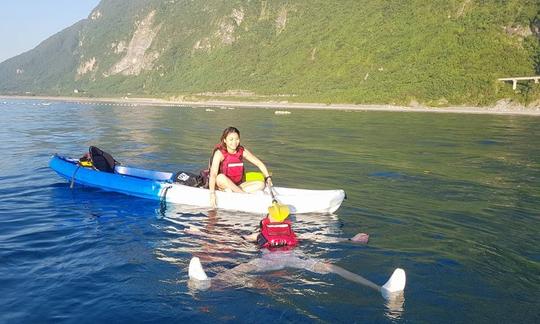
pixel 436 52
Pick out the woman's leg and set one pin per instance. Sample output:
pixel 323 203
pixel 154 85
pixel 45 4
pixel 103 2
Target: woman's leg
pixel 223 182
pixel 351 276
pixel 252 186
pixel 396 283
pixel 324 268
pixel 232 276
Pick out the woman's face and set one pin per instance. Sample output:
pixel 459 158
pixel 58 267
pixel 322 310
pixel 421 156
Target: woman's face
pixel 232 141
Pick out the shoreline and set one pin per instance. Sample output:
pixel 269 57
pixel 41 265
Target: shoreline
pixel 500 109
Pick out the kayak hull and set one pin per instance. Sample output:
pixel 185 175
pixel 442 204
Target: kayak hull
pixel 156 185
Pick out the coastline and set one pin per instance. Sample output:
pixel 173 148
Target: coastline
pixel 499 109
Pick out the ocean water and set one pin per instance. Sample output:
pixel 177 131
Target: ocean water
pixel 452 199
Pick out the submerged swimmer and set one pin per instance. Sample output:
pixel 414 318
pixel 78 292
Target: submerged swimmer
pixel 277 240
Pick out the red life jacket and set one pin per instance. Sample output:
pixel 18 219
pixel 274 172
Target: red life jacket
pixel 232 165
pixel 276 235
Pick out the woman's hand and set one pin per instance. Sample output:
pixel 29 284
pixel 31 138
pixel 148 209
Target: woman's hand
pixel 213 199
pixel 251 237
pixel 268 181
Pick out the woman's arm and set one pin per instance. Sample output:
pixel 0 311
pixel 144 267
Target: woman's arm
pixel 258 163
pixel 214 169
pixel 362 238
pixel 251 237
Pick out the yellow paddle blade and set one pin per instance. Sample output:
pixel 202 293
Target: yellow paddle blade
pixel 278 212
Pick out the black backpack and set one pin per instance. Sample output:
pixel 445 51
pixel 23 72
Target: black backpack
pixel 189 179
pixel 102 160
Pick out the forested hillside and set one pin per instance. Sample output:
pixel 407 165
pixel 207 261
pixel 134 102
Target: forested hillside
pixel 436 52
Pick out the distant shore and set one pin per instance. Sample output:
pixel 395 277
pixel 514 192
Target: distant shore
pixel 499 109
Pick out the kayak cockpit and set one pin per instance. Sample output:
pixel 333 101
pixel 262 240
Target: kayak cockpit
pixel 144 174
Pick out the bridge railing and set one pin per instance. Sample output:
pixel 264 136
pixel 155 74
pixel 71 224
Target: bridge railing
pixel 515 80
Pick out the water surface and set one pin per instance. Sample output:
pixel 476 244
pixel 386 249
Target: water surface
pixel 452 199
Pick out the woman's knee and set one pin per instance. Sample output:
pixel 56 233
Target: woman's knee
pixel 222 181
pixel 322 267
pixel 252 186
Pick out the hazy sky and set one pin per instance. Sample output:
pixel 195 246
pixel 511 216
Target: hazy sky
pixel 26 23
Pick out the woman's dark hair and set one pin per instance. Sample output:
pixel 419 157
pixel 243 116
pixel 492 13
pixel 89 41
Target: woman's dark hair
pixel 222 144
pixel 226 133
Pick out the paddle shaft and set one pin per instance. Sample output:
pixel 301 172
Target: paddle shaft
pixel 274 200
pixel 277 211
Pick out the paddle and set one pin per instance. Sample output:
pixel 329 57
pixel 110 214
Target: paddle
pixel 277 211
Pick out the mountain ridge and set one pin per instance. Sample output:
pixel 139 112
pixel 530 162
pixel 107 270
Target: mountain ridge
pixel 441 53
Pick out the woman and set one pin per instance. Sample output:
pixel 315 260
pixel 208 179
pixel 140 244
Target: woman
pixel 227 166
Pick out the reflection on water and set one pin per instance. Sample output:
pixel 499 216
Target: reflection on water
pixel 395 305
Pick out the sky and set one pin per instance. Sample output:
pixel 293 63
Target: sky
pixel 26 23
